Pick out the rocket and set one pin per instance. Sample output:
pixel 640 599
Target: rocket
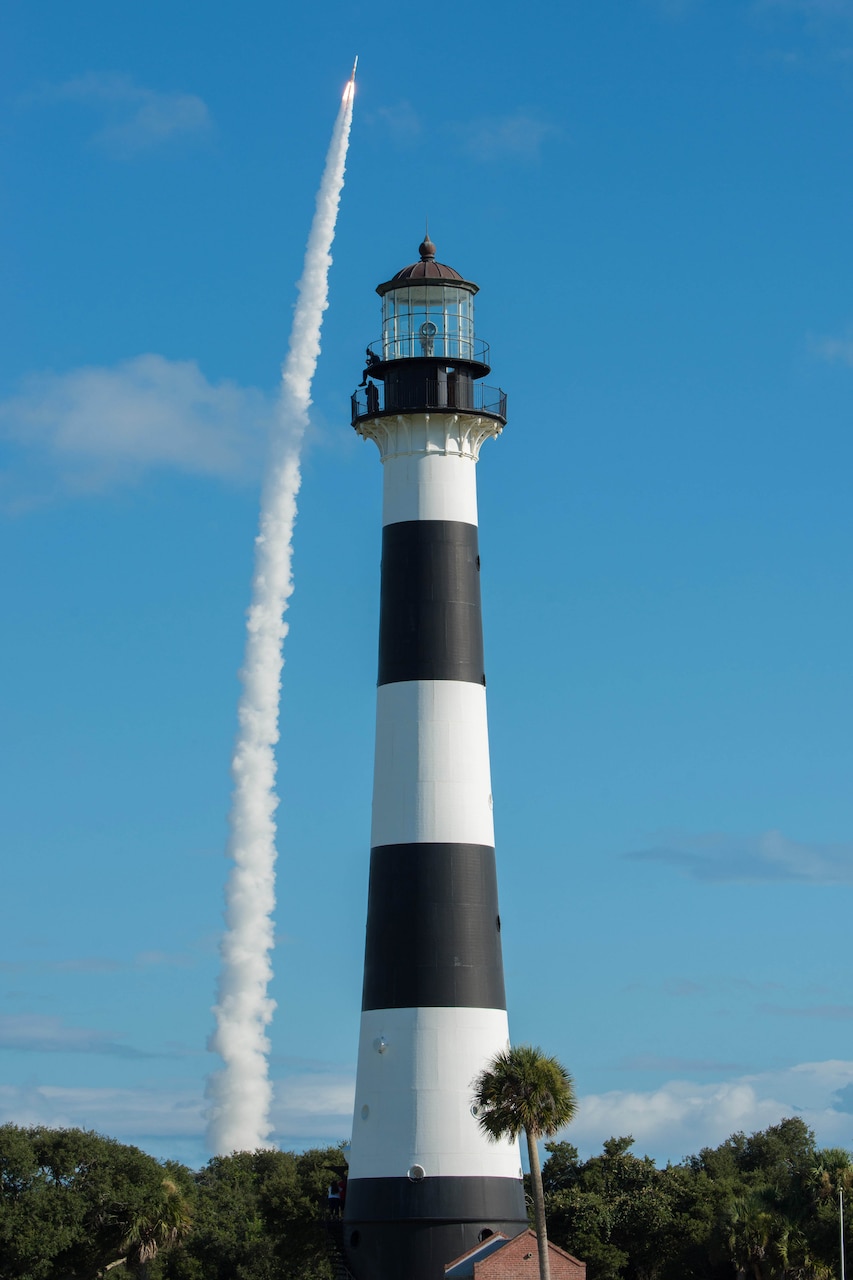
pixel 354 65
pixel 425 1184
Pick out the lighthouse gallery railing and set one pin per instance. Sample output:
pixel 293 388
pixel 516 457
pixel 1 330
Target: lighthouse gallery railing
pixel 470 397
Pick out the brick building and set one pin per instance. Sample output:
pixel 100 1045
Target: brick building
pixel 499 1258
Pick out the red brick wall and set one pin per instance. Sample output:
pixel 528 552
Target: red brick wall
pixel 519 1260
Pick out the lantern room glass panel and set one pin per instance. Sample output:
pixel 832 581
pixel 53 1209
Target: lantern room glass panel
pixel 430 320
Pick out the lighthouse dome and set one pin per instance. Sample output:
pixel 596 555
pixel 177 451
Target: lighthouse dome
pixel 425 271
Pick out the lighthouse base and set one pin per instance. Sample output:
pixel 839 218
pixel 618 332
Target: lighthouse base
pixel 396 1229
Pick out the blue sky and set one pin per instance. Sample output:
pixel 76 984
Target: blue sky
pixel 655 200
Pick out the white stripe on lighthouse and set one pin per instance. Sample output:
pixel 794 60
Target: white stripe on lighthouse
pixel 413 1100
pixel 431 777
pixel 431 486
pixel 429 461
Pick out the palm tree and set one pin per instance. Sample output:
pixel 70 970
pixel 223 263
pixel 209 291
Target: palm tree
pixel 749 1231
pixel 831 1177
pixel 154 1227
pixel 523 1089
pixel 832 1173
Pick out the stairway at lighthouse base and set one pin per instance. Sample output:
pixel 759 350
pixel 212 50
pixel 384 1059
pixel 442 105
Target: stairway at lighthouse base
pixel 335 1232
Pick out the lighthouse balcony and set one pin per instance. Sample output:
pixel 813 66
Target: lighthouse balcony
pixel 431 341
pixel 443 395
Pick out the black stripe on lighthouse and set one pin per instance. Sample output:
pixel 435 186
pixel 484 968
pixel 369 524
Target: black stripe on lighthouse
pixel 410 1231
pixel 430 620
pixel 433 931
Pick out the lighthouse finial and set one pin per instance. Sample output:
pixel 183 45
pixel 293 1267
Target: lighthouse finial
pixel 427 248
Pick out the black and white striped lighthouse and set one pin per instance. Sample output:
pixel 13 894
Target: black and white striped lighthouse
pixel 424 1183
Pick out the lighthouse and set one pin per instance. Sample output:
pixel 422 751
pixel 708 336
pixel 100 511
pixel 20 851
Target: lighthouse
pixel 425 1184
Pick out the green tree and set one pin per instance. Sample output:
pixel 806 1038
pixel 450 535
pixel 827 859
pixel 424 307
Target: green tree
pixel 617 1211
pixel 157 1226
pixel 749 1229
pixel 769 1222
pixel 833 1172
pixel 757 1206
pixel 260 1216
pixel 524 1090
pixel 832 1178
pixel 73 1203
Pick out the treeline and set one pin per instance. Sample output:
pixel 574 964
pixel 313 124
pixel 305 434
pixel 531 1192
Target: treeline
pixel 763 1207
pixel 77 1205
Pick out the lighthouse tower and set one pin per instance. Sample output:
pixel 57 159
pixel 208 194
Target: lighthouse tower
pixel 424 1182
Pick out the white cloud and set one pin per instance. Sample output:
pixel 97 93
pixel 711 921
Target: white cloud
pixel 676 9
pixel 314 1107
pixel 842 1099
pixel 400 121
pixel 309 1109
pixel 137 118
pixel 514 137
pixel 96 427
pixel 127 1114
pixel 783 57
pixel 36 1033
pixel 834 350
pixel 831 1012
pixel 715 856
pixel 106 964
pixel 670 1064
pixel 679 1118
pixel 519 136
pixel 84 964
pixel 811 8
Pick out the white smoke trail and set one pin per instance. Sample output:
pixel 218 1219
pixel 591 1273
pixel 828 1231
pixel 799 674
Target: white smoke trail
pixel 241 1093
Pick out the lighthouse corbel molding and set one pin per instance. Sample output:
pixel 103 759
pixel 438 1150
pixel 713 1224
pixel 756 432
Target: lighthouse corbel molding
pixel 450 434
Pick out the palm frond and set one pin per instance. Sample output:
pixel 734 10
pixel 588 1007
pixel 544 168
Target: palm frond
pixel 523 1090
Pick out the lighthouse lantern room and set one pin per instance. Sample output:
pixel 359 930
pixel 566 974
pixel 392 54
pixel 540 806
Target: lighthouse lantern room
pixel 428 356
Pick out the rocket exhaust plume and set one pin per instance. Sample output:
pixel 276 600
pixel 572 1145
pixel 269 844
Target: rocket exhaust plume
pixel 241 1093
